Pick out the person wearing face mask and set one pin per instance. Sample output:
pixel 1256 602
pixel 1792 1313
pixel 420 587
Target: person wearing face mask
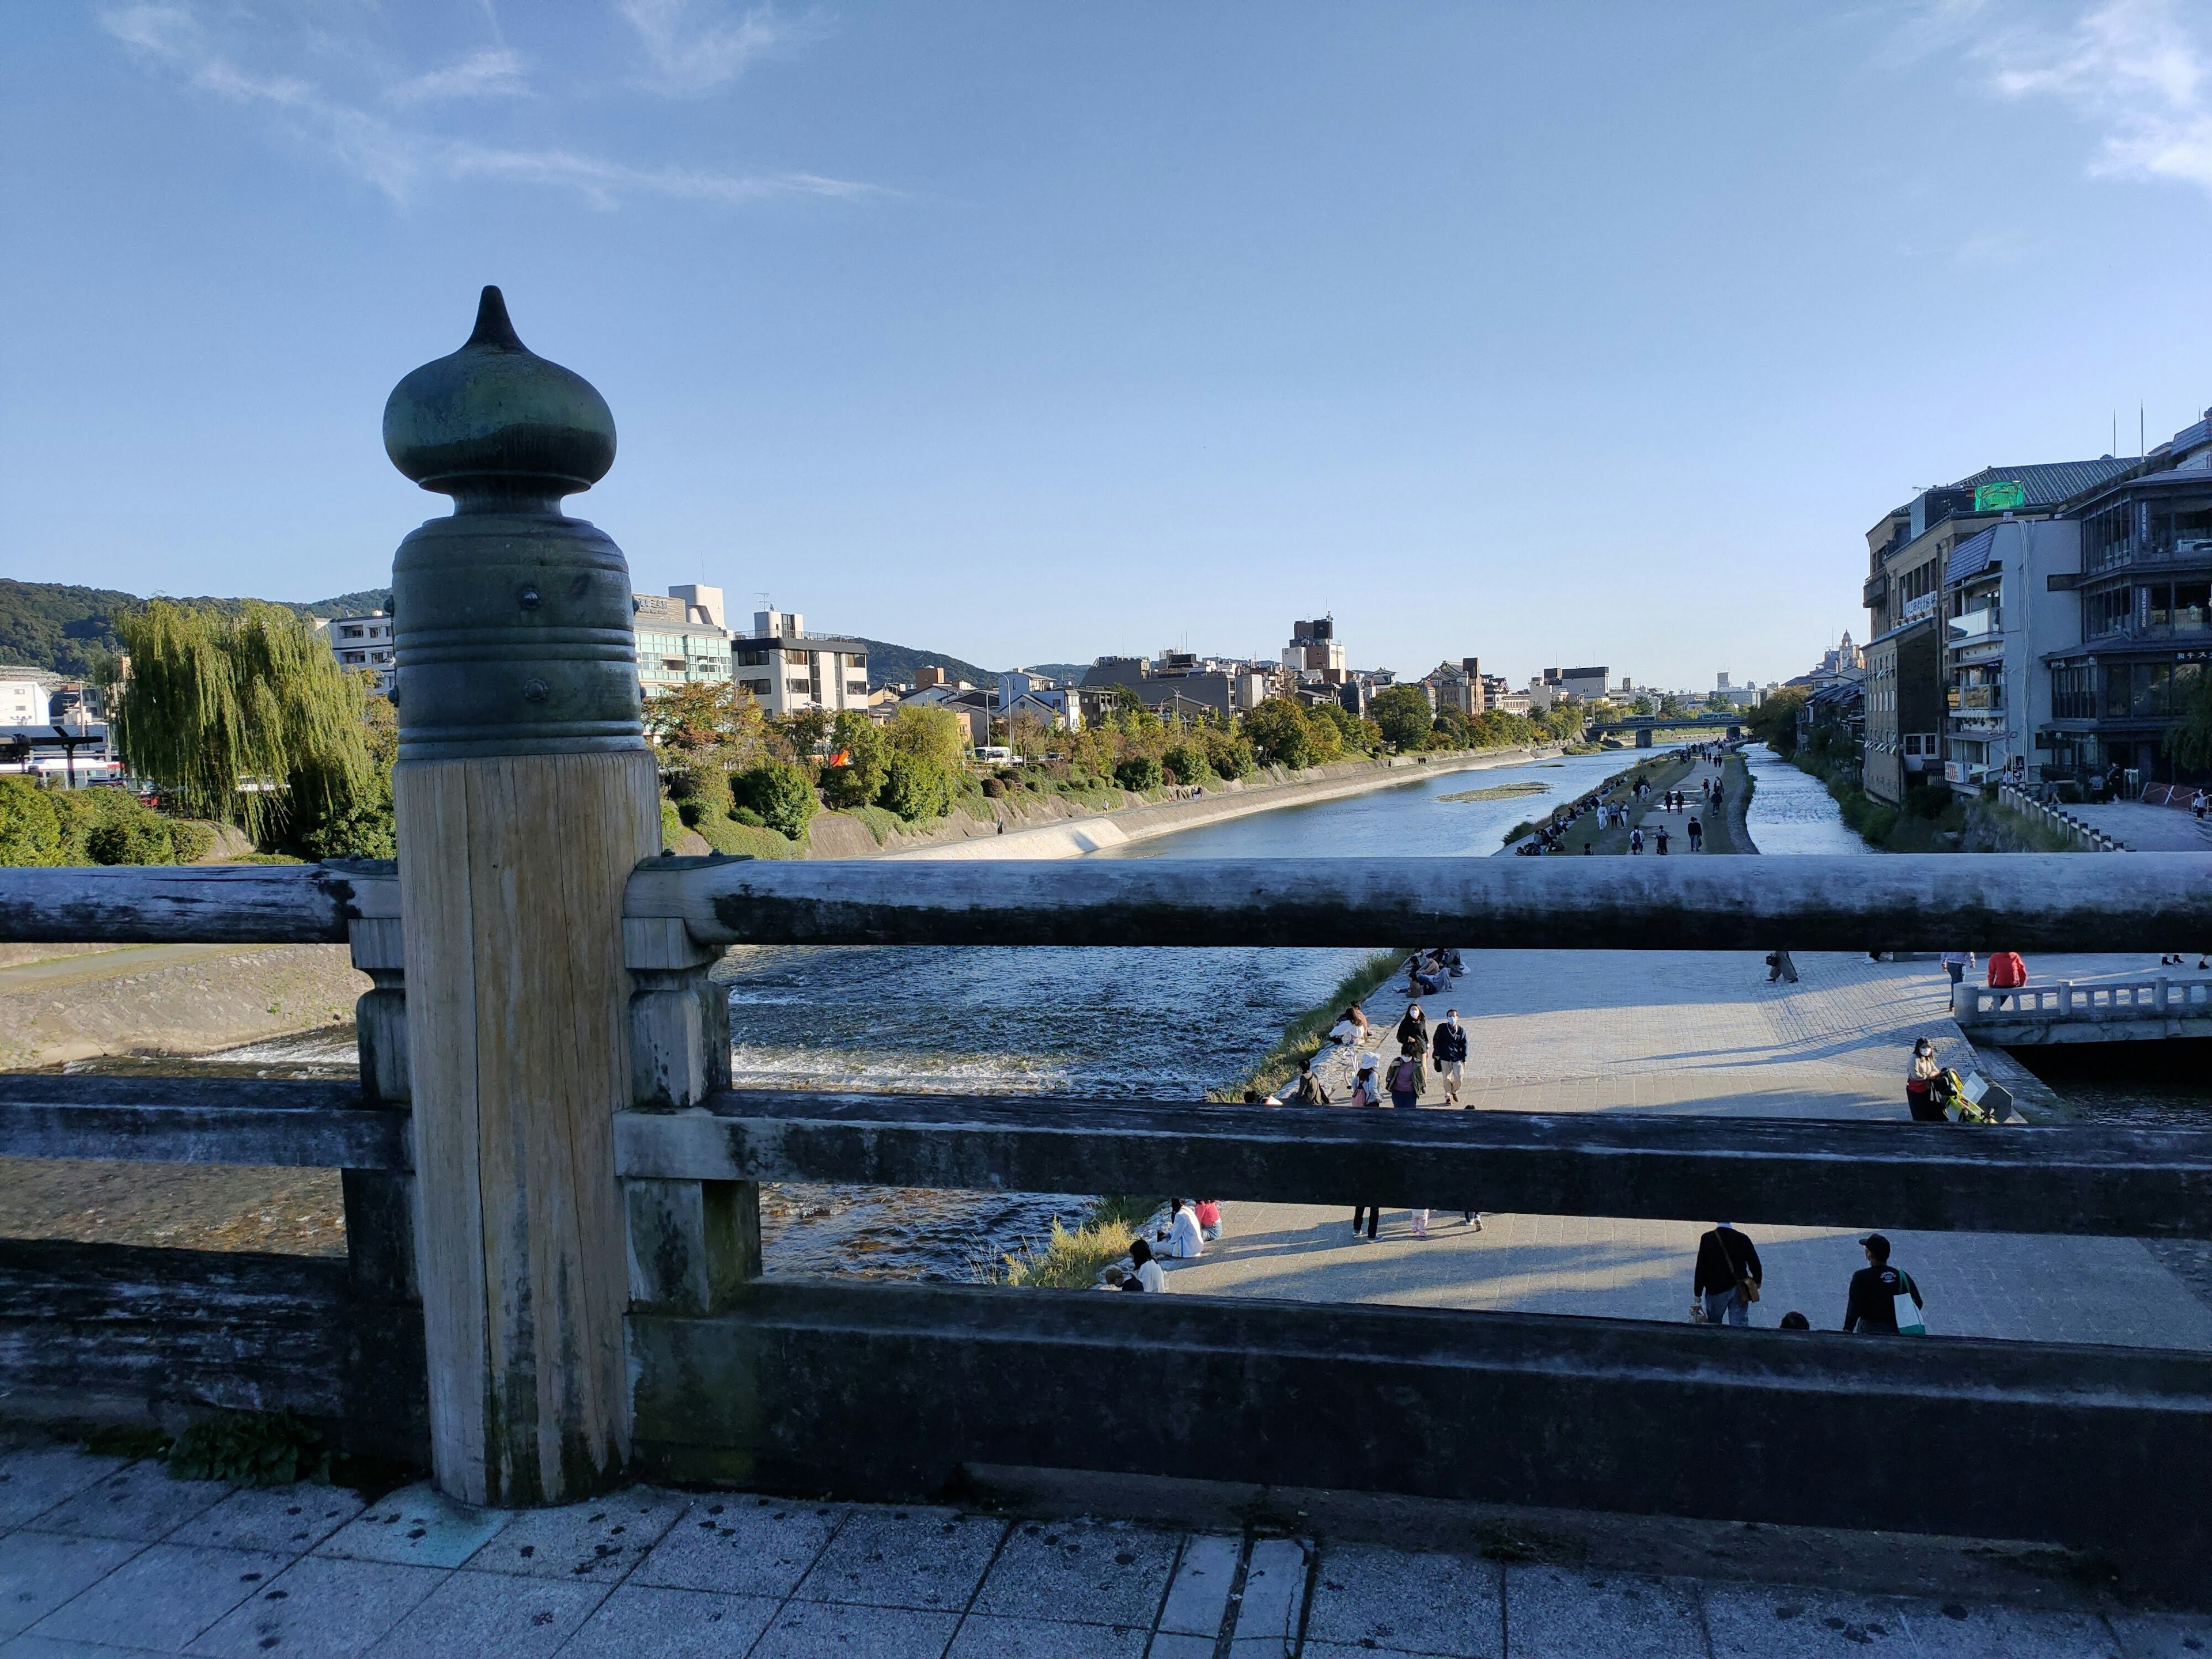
pixel 1920 1085
pixel 1448 1053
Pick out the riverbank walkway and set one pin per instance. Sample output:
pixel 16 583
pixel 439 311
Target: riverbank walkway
pixel 101 1557
pixel 1703 1033
pixel 2142 828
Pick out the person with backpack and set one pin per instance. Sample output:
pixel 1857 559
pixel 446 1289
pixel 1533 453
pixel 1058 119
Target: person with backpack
pixel 1728 1276
pixel 1404 1080
pixel 1873 1305
pixel 1310 1092
pixel 1447 1052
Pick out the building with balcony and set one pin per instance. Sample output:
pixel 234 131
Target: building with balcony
pixel 361 645
pixel 791 672
pixel 2001 614
pixel 681 638
pixel 2144 590
pixel 1903 710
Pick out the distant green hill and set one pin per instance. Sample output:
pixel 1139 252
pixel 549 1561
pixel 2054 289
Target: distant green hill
pixel 68 630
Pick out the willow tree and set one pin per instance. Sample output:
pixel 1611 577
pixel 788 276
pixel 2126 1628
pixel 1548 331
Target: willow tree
pixel 246 719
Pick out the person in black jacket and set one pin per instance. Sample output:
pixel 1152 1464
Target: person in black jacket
pixel 1875 1289
pixel 1727 1262
pixel 1447 1052
pixel 1413 1032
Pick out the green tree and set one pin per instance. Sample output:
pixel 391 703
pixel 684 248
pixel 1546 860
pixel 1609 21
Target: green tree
pixel 1774 723
pixel 1228 754
pixel 1281 733
pixel 215 702
pixel 805 731
pixel 1404 715
pixel 2190 742
pixel 355 819
pixel 1140 773
pixel 1186 759
pixel 779 791
pixel 860 759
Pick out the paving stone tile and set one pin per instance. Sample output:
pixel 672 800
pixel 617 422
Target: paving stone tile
pixel 417 1526
pixel 1959 1632
pixel 35 1479
pixel 638 1622
pixel 325 1607
pixel 491 1615
pixel 2162 1635
pixel 161 1597
pixel 740 1546
pixel 283 1520
pixel 905 1557
pixel 138 1500
pixel 1404 1602
pixel 599 1540
pixel 1274 1594
pixel 1198 1599
pixel 1083 1571
pixel 1749 1621
pixel 809 1630
pixel 1171 1645
pixel 1551 1614
pixel 983 1637
pixel 39 1572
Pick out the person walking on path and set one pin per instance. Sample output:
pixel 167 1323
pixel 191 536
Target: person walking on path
pixel 1876 1287
pixel 1779 966
pixel 1696 831
pixel 1728 1276
pixel 1956 964
pixel 1920 1085
pixel 1366 1088
pixel 1636 839
pixel 1448 1049
pixel 1404 1080
pixel 1661 839
pixel 1414 1030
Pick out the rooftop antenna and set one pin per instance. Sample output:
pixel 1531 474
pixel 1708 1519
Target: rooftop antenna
pixel 2142 431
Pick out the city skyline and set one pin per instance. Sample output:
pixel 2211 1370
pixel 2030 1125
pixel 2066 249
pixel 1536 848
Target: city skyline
pixel 1026 337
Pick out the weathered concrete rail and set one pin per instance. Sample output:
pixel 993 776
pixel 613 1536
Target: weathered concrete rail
pixel 2104 1011
pixel 2025 901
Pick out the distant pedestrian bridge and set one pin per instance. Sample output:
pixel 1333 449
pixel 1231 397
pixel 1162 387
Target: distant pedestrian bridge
pixel 1644 726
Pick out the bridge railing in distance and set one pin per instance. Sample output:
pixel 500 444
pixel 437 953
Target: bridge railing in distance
pixel 888 1389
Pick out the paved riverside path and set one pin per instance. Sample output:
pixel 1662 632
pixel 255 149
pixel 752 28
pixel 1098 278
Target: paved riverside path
pixel 2142 828
pixel 100 1558
pixel 1698 1032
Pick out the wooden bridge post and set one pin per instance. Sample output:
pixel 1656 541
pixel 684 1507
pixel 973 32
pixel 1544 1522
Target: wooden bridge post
pixel 524 795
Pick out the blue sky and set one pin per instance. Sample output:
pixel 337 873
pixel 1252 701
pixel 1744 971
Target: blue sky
pixel 1547 334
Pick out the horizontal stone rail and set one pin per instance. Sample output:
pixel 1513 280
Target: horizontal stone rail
pixel 886 1390
pixel 193 904
pixel 2012 901
pixel 2076 1179
pixel 2102 1011
pixel 310 1124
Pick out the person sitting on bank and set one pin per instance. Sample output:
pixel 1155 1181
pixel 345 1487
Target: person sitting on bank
pixel 1183 1239
pixel 1208 1211
pixel 1875 1289
pixel 1728 1276
pixel 1147 1275
pixel 1351 1028
pixel 1308 1091
pixel 1254 1097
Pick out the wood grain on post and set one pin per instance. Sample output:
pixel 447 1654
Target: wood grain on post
pixel 524 795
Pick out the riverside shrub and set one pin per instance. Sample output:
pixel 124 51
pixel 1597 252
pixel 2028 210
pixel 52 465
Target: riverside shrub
pixel 916 787
pixel 99 825
pixel 1188 763
pixel 781 791
pixel 1140 773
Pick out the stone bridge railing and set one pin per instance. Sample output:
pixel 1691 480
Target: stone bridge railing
pixel 554 1279
pixel 2099 1011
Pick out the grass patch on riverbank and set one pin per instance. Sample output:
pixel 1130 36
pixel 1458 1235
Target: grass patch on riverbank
pixel 1072 1260
pixel 1500 792
pixel 1302 1038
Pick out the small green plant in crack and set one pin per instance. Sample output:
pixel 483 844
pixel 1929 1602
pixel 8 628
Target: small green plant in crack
pixel 250 1449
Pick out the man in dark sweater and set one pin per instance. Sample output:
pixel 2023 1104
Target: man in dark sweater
pixel 1875 1289
pixel 1727 1261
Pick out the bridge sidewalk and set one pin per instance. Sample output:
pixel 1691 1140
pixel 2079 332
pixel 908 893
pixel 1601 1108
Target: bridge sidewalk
pixel 101 1557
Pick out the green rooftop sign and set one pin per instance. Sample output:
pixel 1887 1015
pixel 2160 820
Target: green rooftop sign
pixel 2000 497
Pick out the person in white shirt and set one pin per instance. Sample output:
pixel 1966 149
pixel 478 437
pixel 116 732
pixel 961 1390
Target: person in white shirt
pixel 1184 1240
pixel 1148 1276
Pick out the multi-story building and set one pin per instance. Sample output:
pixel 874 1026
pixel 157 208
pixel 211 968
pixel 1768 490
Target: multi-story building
pixel 1179 681
pixel 793 671
pixel 23 696
pixel 2000 615
pixel 1315 649
pixel 2144 587
pixel 362 644
pixel 1588 683
pixel 1906 551
pixel 681 638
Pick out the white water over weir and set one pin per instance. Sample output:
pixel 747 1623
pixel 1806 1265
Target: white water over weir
pixel 1793 812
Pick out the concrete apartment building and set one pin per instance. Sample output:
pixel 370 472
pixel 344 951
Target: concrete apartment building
pixel 1315 649
pixel 681 638
pixel 1906 551
pixel 23 696
pixel 791 671
pixel 362 644
pixel 1179 681
pixel 2001 613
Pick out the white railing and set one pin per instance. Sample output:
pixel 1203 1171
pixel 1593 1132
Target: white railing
pixel 2098 1002
pixel 2089 840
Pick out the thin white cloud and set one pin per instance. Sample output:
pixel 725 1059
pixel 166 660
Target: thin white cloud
pixel 496 72
pixel 397 156
pixel 695 46
pixel 2139 70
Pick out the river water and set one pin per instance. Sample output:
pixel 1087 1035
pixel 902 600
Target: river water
pixel 1130 1022
pixel 1792 813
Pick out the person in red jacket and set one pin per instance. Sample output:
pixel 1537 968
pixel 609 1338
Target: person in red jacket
pixel 2007 972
